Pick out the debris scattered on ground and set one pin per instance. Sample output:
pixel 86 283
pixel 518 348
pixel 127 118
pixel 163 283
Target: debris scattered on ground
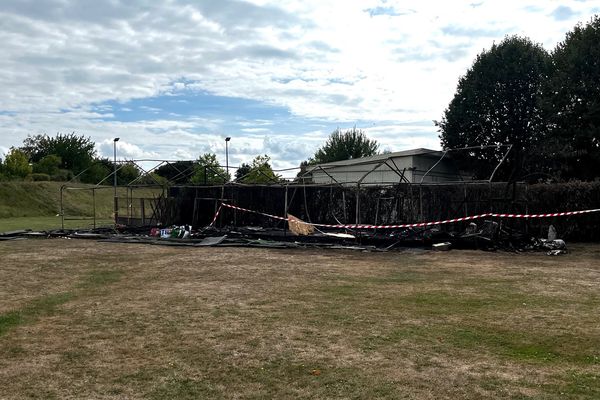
pixel 299 227
pixel 552 234
pixel 12 235
pixel 486 235
pixel 556 252
pixel 212 240
pixel 444 246
pixel 555 247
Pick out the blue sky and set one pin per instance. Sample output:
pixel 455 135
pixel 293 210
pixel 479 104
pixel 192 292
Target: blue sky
pixel 172 79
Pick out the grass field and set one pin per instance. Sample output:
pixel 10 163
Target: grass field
pixel 81 319
pixel 35 205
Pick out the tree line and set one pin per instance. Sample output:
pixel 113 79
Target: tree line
pixel 67 157
pixel 546 104
pixel 61 158
pixel 206 170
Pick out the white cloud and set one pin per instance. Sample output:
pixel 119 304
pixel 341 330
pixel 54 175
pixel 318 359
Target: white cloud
pixel 390 62
pixel 124 150
pixel 255 130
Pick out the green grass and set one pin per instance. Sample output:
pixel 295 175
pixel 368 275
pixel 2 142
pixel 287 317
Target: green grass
pixel 30 199
pixel 101 278
pixel 461 317
pixel 35 205
pixel 31 312
pixel 184 388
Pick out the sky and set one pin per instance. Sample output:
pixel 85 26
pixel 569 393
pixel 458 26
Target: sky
pixel 173 78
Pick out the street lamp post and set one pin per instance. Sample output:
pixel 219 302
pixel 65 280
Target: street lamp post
pixel 227 139
pixel 116 201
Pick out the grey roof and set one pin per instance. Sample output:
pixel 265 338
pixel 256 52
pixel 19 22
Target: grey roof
pixel 380 157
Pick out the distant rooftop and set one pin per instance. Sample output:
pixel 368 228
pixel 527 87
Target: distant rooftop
pixel 382 157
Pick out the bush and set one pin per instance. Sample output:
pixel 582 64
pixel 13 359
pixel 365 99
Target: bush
pixel 62 176
pixel 16 164
pixel 153 179
pixel 49 165
pixel 96 173
pixel 40 177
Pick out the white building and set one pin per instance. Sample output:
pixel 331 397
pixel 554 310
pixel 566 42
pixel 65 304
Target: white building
pixel 409 166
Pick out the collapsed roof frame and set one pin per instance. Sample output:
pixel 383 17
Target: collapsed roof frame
pixel 386 161
pixel 298 181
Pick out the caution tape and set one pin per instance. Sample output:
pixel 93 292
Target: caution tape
pixel 419 224
pixel 216 215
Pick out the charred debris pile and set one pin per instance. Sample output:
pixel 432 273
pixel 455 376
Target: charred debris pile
pixel 335 216
pixel 485 235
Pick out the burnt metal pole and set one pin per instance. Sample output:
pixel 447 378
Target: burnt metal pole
pixel 227 139
pixel 116 204
pixel 285 210
pixel 357 213
pixel 62 210
pixel 344 203
pixel 359 234
pixel 94 205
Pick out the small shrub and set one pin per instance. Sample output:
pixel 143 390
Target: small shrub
pixel 40 177
pixel 62 175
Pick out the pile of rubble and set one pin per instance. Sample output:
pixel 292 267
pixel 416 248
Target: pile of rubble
pixel 489 235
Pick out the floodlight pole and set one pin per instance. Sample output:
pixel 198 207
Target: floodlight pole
pixel 116 201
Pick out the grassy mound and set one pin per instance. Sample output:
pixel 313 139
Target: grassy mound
pixel 32 199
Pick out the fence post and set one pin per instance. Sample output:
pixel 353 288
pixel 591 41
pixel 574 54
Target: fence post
pixel 116 210
pixel 62 211
pixel 344 203
pixel 285 210
pixel 357 217
pixel 94 205
pixel 420 203
pixel 465 199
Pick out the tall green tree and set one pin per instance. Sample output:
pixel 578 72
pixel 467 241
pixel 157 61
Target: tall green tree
pixel 345 145
pixel 127 173
pixel 76 152
pixel 49 164
pixel 207 171
pixel 16 164
pixel 242 171
pixel 98 171
pixel 261 171
pixel 102 171
pixel 179 172
pixel 573 103
pixel 498 102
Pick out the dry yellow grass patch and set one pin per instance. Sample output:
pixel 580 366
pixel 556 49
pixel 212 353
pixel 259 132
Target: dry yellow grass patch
pixel 80 319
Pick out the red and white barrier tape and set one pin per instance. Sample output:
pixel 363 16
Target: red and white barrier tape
pixel 420 224
pixel 216 215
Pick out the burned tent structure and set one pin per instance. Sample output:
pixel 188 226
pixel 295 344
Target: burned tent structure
pixel 408 186
pixel 357 200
